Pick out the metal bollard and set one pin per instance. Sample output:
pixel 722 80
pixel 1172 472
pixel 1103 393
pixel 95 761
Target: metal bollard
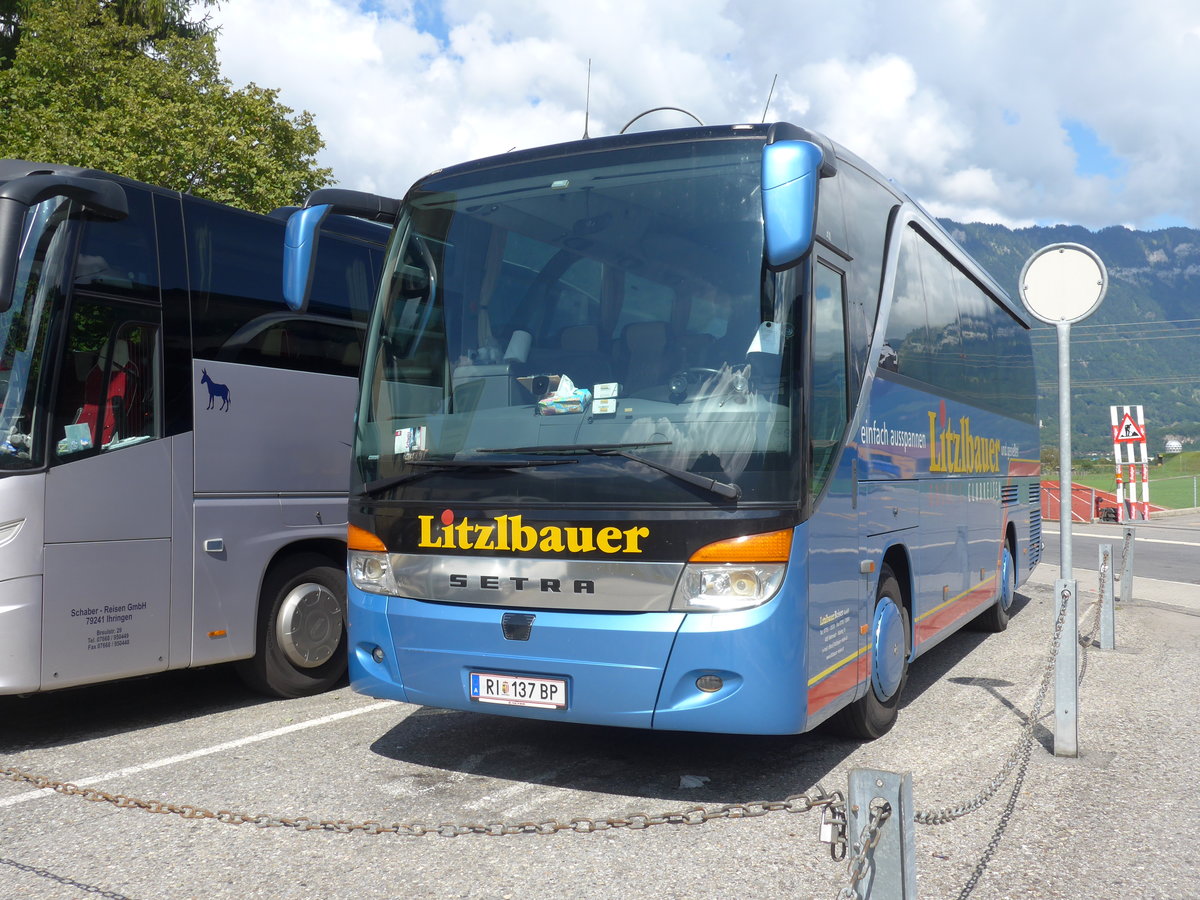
pixel 893 864
pixel 1066 674
pixel 1107 617
pixel 1127 565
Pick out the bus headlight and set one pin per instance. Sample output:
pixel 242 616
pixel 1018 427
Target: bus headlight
pixel 739 573
pixel 728 586
pixel 371 572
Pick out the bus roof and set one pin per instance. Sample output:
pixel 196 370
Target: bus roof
pixel 13 169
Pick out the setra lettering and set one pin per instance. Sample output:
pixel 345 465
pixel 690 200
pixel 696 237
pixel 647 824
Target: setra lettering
pixel 516 583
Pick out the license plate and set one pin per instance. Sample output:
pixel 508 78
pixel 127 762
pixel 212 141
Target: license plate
pixel 517 690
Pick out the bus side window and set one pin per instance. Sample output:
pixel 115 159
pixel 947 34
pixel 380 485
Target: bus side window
pixel 944 342
pixel 906 342
pixel 108 394
pixel 238 313
pixel 120 258
pixel 830 407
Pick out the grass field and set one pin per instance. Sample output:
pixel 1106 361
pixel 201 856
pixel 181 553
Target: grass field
pixel 1175 484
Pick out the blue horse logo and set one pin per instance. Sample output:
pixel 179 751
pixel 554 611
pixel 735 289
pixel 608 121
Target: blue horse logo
pixel 215 391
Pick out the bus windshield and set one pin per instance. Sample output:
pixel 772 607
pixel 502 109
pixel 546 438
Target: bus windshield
pixel 608 307
pixel 24 331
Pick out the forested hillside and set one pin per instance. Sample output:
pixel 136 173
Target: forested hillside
pixel 1141 345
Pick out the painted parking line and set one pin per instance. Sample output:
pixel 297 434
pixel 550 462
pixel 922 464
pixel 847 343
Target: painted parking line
pixel 1140 539
pixel 205 751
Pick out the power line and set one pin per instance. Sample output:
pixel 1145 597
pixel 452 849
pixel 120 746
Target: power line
pixel 1121 339
pixel 1121 382
pixel 1090 325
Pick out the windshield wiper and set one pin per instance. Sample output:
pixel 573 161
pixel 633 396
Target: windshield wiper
pixel 574 448
pixel 720 488
pixel 433 466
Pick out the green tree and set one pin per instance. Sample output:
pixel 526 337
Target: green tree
pixel 160 18
pixel 136 89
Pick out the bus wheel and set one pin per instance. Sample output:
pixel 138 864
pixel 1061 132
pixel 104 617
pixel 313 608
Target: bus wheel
pixel 995 617
pixel 874 714
pixel 301 629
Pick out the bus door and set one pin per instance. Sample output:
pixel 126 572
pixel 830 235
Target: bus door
pixel 835 613
pixel 107 565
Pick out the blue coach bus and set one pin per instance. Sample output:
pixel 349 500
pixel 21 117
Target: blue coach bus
pixel 709 429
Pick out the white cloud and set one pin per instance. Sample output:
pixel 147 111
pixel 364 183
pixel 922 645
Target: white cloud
pixel 961 101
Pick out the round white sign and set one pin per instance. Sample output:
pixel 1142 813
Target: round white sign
pixel 1063 283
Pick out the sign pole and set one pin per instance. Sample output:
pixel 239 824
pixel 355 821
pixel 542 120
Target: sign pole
pixel 1066 661
pixel 1061 284
pixel 1145 469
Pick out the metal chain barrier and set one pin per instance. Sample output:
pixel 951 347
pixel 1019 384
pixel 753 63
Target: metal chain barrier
pixel 1001 826
pixel 693 815
pixel 1019 758
pixel 856 868
pixel 1086 640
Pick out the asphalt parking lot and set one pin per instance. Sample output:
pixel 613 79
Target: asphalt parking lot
pixel 1118 821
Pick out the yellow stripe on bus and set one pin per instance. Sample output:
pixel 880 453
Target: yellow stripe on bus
pixel 970 590
pixel 836 666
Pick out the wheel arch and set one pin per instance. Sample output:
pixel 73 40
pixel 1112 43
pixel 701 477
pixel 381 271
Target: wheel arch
pixel 330 548
pixel 897 559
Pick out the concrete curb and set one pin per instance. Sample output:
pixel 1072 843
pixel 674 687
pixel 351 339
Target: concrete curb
pixel 1176 595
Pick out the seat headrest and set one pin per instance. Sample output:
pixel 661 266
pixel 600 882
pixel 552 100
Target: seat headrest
pixel 645 337
pixel 580 338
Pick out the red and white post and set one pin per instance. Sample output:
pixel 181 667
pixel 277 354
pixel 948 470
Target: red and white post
pixel 1130 449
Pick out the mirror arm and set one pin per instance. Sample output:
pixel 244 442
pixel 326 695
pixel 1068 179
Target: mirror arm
pixel 98 195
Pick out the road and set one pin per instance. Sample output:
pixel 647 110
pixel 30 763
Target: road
pixel 1108 823
pixel 1167 549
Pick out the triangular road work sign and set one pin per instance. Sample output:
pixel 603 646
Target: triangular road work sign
pixel 1129 431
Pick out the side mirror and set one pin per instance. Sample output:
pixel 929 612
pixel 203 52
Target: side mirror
pixel 106 198
pixel 790 172
pixel 304 230
pixel 359 204
pixel 300 254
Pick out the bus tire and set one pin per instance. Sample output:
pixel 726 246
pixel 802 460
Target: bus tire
pixel 874 714
pixel 995 617
pixel 301 639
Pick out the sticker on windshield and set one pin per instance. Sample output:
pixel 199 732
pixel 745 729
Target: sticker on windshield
pixel 410 440
pixel 768 339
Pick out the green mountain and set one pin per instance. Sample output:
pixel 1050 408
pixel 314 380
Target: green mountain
pixel 1139 348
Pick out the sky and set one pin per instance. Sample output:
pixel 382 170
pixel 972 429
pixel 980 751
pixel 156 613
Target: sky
pixel 1018 112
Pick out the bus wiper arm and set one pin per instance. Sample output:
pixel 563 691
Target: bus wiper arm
pixel 432 466
pixel 487 463
pixel 720 488
pixel 574 448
